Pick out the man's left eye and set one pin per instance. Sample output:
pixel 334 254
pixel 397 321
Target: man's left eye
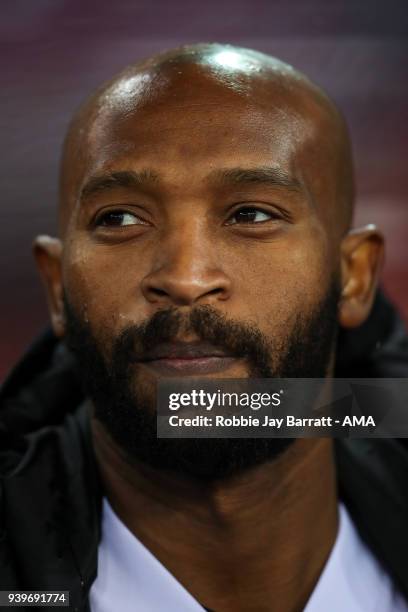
pixel 250 215
pixel 119 219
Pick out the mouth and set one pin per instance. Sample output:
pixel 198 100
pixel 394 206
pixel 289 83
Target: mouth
pixel 183 359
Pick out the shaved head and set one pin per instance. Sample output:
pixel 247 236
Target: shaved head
pixel 179 76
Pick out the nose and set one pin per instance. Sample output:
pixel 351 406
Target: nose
pixel 186 271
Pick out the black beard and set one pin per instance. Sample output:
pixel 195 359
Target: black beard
pixel 129 416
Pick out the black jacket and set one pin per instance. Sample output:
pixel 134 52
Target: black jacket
pixel 50 493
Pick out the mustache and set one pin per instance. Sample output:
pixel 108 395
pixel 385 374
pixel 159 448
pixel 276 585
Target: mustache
pixel 205 323
pixel 134 343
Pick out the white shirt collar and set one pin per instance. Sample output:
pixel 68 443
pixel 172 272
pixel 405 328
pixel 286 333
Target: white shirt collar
pixel 352 579
pixel 130 578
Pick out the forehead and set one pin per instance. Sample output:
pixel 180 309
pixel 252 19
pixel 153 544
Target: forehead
pixel 194 115
pixel 190 123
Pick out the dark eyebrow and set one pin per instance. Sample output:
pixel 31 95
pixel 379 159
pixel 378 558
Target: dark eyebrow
pixel 263 175
pixel 112 180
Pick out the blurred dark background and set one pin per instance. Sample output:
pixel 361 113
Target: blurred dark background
pixel 54 52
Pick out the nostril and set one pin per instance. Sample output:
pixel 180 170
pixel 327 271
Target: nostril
pixel 158 292
pixel 178 288
pixel 215 291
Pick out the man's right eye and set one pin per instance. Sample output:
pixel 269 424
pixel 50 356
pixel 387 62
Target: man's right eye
pixel 119 218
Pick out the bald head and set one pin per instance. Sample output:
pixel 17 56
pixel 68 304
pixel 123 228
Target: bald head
pixel 221 75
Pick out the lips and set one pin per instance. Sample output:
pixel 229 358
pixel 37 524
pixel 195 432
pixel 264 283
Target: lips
pixel 184 350
pixel 186 358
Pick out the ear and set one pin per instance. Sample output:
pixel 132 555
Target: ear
pixel 47 252
pixel 362 257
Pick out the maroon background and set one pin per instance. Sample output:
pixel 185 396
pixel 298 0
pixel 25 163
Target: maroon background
pixel 53 52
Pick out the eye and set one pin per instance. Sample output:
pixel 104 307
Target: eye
pixel 250 215
pixel 118 218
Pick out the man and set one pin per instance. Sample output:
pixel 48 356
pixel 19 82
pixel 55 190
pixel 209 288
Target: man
pixel 205 230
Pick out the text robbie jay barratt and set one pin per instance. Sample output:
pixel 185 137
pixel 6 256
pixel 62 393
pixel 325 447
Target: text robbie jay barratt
pixel 277 423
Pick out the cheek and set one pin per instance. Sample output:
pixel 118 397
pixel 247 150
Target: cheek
pixel 100 285
pixel 282 279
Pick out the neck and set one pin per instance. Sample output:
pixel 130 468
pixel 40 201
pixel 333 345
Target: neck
pixel 257 541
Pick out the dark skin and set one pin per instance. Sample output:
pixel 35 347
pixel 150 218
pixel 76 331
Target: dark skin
pixel 185 228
